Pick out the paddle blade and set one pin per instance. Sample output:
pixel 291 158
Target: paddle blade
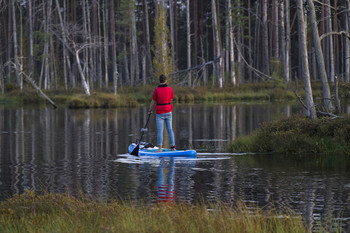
pixel 135 151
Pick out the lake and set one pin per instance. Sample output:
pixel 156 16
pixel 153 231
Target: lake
pixel 85 151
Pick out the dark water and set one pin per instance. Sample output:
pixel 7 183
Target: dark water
pixel 75 151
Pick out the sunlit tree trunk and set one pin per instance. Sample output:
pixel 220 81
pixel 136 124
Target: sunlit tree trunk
pixel 303 56
pixel 320 59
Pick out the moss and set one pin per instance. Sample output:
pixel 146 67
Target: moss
pixel 298 134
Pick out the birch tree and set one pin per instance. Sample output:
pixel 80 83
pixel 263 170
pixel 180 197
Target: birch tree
pixel 303 56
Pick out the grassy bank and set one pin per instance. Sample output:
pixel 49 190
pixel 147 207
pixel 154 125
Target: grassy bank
pixel 298 134
pixel 132 96
pixel 63 213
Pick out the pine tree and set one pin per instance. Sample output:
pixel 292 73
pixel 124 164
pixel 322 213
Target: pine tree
pixel 162 61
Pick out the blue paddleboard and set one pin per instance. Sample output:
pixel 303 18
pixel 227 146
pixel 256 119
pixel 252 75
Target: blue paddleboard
pixel 151 151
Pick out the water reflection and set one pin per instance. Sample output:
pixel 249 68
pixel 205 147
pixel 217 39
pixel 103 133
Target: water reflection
pixel 77 151
pixel 166 187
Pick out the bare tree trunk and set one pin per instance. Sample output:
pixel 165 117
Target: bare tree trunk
pixel 126 65
pixel 283 36
pixel 320 59
pixel 330 41
pixel 311 111
pixel 114 66
pixel 30 36
pixel 347 47
pixel 66 61
pixel 134 68
pixel 147 41
pixel 86 38
pixel 217 41
pixel 231 48
pixel 15 43
pixel 257 36
pixel 250 46
pixel 172 29
pixel 266 59
pixel 105 33
pixel 188 27
pixel 84 81
pixel 276 28
pixel 287 49
pixel 205 73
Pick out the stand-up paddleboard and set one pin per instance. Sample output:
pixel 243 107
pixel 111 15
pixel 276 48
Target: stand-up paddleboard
pixel 147 149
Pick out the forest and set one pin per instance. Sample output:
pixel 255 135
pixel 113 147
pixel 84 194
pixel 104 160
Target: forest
pixel 108 44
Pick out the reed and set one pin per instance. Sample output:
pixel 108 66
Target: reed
pixel 63 213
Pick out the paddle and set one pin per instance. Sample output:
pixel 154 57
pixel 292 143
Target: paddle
pixel 135 151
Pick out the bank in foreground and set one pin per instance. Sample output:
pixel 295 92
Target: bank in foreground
pixel 63 213
pixel 298 134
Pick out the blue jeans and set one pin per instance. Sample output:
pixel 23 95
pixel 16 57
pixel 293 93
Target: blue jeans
pixel 167 118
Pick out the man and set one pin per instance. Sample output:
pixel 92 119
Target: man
pixel 161 98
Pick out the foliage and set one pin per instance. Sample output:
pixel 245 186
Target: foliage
pixel 162 61
pixel 298 134
pixel 63 213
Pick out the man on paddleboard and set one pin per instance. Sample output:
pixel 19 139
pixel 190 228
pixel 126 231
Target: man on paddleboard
pixel 161 98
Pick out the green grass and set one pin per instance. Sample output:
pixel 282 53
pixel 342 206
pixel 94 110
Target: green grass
pixel 63 213
pixel 132 96
pixel 297 134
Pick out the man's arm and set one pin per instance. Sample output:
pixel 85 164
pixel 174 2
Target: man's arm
pixel 153 103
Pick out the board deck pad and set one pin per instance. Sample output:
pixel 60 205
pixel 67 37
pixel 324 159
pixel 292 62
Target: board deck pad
pixel 151 151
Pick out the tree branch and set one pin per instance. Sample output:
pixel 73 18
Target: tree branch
pixel 344 33
pixel 29 79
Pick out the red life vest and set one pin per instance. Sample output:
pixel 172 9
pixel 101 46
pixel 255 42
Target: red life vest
pixel 163 96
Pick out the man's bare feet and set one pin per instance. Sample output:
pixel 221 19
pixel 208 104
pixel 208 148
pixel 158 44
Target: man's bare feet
pixel 160 149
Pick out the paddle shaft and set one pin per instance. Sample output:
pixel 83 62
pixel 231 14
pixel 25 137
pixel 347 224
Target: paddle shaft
pixel 135 151
pixel 149 115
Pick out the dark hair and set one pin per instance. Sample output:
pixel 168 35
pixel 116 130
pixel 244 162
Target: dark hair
pixel 162 78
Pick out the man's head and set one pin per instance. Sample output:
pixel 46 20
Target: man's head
pixel 162 78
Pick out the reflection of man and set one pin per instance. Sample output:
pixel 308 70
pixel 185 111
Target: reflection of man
pixel 166 189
